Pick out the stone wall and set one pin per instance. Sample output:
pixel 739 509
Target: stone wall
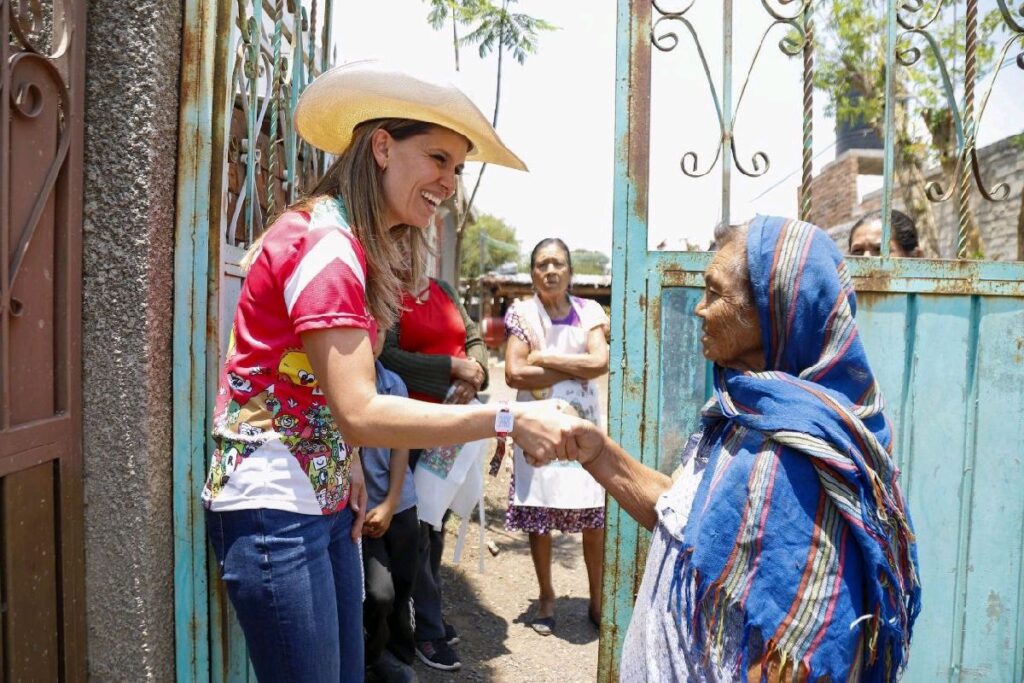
pixel 131 128
pixel 1002 162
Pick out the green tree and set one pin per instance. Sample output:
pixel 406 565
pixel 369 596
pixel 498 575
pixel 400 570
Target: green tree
pixel 850 68
pixel 499 30
pixel 500 246
pixel 491 29
pixel 589 262
pixel 458 12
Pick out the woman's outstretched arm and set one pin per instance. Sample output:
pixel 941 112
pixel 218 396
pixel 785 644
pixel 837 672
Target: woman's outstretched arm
pixel 342 362
pixel 634 485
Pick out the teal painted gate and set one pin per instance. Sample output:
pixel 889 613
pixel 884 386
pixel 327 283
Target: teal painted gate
pixel 945 338
pixel 244 63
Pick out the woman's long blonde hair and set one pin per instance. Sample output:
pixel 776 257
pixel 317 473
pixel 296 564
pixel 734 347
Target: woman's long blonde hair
pixel 395 256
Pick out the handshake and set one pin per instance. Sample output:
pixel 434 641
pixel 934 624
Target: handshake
pixel 552 430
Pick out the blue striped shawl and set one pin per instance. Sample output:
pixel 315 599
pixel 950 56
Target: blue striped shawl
pixel 799 521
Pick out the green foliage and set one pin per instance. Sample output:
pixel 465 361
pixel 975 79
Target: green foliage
pixel 490 25
pixel 495 27
pixel 850 59
pixel 440 10
pixel 500 246
pixel 589 262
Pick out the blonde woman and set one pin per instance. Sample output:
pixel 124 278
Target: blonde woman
pixel 285 496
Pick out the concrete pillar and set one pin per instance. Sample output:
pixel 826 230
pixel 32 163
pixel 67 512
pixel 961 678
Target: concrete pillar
pixel 131 123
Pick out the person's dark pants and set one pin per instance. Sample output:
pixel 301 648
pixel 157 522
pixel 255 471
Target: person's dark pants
pixel 427 593
pixel 391 562
pixel 296 584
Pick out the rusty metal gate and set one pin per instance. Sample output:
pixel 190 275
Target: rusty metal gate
pixel 42 570
pixel 946 338
pixel 244 64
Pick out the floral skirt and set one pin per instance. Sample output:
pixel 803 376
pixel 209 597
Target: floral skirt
pixel 538 520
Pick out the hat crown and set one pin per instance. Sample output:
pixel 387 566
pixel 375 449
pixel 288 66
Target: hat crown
pixel 341 98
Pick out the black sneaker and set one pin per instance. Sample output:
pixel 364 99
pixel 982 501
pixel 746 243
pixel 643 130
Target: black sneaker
pixel 390 669
pixel 438 654
pixel 451 636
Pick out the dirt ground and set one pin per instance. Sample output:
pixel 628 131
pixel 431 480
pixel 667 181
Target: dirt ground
pixel 491 611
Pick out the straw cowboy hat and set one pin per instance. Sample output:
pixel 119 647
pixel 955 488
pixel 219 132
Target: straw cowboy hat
pixel 340 99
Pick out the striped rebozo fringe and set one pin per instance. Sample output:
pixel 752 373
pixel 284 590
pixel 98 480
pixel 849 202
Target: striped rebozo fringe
pixel 701 605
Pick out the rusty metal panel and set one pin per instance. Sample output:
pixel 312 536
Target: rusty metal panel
pixel 629 289
pixel 42 73
pixel 30 580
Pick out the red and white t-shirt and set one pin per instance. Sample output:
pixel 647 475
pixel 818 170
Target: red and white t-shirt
pixel 277 444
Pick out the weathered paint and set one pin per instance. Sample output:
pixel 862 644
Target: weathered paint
pixel 946 342
pixel 626 382
pixel 191 261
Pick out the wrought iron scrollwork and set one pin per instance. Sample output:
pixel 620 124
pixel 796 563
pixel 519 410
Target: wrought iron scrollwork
pixel 966 118
pixel 794 17
pixel 277 52
pixel 36 64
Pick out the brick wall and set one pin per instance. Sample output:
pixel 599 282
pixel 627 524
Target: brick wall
pixel 834 192
pixel 835 207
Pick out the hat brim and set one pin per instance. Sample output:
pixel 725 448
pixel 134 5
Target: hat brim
pixel 338 100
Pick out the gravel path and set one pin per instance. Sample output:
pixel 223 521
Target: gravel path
pixel 491 611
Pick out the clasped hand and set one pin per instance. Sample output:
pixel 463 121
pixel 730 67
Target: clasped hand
pixel 552 430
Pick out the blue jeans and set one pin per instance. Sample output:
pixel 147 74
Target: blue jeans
pixel 296 584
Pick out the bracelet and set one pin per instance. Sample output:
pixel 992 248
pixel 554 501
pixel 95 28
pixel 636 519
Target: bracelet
pixel 503 424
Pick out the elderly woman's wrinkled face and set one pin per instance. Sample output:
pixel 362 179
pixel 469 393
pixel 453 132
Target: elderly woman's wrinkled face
pixel 550 272
pixel 419 172
pixel 732 330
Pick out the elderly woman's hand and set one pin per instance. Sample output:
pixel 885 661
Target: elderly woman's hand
pixel 535 358
pixel 590 442
pixel 544 430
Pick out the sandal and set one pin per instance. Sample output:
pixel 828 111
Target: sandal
pixel 545 626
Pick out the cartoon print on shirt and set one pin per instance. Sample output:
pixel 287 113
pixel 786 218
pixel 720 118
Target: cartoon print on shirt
pixel 295 368
pixel 286 424
pixel 225 461
pixel 239 384
pixel 246 429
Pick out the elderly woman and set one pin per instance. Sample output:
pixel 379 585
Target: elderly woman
pixel 784 550
pixel 285 495
pixel 557 347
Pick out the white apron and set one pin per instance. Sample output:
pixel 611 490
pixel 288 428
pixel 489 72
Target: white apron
pixel 451 478
pixel 560 484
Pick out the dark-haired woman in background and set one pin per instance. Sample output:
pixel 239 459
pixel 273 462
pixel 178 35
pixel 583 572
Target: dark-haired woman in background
pixel 556 349
pixel 866 236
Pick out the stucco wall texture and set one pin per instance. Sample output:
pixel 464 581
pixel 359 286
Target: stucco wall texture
pixel 131 127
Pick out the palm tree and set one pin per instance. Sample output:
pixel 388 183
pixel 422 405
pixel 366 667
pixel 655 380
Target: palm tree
pixel 460 11
pixel 501 30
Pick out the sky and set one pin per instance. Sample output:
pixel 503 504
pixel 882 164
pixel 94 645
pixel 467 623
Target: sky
pixel 557 113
